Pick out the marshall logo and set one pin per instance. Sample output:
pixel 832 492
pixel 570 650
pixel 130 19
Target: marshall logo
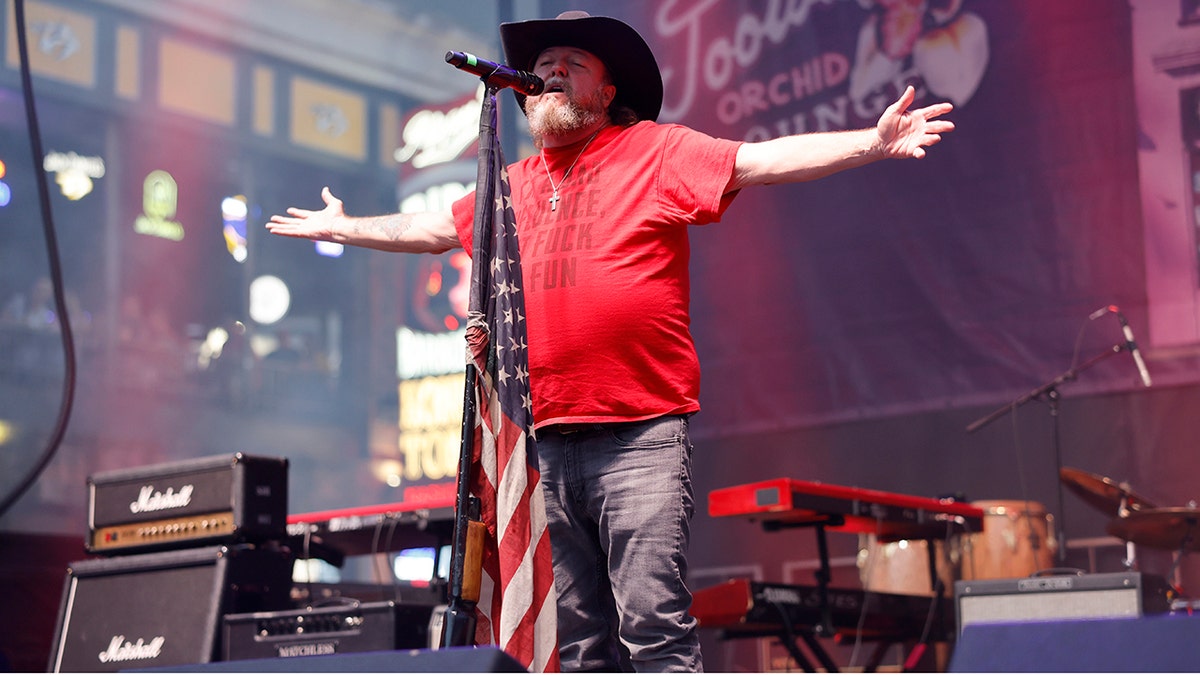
pixel 132 651
pixel 149 500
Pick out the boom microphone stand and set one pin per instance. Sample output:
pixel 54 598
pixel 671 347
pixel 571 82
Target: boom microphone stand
pixel 1049 391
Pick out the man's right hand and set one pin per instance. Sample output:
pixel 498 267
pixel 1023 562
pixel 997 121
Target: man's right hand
pixel 304 224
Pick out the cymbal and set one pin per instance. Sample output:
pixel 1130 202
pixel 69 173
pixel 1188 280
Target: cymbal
pixel 1100 492
pixel 1173 528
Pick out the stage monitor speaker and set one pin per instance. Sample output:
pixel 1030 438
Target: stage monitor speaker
pixel 1153 644
pixel 1089 596
pixel 448 660
pixel 162 608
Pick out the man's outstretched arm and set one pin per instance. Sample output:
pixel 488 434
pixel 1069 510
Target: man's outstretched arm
pixel 900 133
pixel 430 232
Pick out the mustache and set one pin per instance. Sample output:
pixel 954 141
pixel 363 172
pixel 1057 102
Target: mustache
pixel 559 84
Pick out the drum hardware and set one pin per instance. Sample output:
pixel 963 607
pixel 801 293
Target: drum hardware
pixel 1172 528
pixel 1184 605
pixel 1109 497
pixel 1176 529
pixel 1103 494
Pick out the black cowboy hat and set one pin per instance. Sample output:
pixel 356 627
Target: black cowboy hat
pixel 630 62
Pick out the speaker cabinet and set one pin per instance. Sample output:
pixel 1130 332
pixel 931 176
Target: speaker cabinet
pixel 1090 596
pixel 162 609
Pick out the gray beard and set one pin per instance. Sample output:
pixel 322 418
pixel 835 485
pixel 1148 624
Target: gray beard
pixel 547 118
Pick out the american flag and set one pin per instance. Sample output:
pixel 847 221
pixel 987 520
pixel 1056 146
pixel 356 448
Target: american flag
pixel 517 604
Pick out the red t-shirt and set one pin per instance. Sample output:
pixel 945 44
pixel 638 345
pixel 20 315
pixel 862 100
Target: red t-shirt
pixel 606 272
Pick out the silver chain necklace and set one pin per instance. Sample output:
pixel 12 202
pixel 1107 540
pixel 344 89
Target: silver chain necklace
pixel 554 198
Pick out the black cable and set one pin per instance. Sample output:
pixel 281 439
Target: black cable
pixel 788 639
pixel 308 586
pixel 937 601
pixel 868 589
pixel 60 304
pixel 1079 343
pixel 393 522
pixel 939 586
pixel 967 547
pixel 1184 547
pixel 375 555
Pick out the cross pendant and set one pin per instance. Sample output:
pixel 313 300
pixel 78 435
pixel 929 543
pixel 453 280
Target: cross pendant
pixel 554 201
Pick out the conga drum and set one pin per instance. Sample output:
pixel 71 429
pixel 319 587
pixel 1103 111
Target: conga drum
pixel 1018 540
pixel 903 566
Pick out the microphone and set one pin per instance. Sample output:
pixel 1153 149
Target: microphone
pixel 1131 345
pixel 497 75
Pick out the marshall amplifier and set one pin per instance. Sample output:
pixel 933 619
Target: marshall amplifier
pixel 162 609
pixel 1052 598
pixel 222 499
pixel 321 631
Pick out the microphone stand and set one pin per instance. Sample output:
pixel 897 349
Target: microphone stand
pixel 1049 390
pixel 458 627
pixel 466 551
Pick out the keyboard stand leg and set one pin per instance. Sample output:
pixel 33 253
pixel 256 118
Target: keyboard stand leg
pixel 877 655
pixel 790 639
pixel 824 575
pixel 793 650
pixel 931 549
pixel 791 644
pixel 819 652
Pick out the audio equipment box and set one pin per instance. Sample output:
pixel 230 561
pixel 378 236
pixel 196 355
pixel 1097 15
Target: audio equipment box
pixel 1052 598
pixel 222 499
pixel 164 608
pixel 321 631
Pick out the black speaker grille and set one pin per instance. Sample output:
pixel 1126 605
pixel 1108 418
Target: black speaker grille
pixel 161 609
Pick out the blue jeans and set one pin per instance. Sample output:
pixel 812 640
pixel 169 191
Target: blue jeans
pixel 619 502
